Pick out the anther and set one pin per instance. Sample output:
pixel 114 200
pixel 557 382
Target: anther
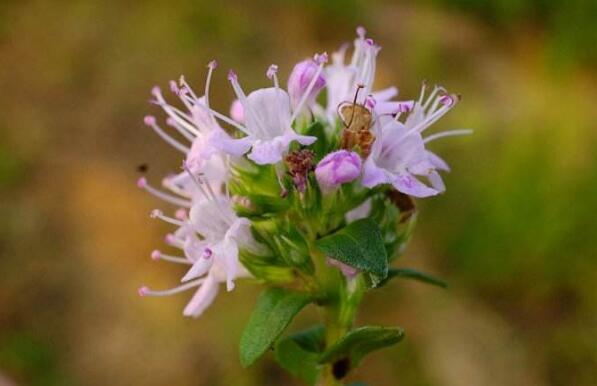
pixel 149 120
pixel 141 182
pixel 271 71
pixel 143 291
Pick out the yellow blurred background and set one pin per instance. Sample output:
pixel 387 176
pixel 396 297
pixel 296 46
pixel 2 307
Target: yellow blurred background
pixel 514 235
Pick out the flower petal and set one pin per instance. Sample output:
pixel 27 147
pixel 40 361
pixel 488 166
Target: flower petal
pixel 438 162
pixel 373 175
pixel 199 268
pixel 203 298
pixel 408 184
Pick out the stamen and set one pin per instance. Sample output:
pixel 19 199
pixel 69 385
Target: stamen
pixel 156 213
pixel 174 87
pixel 436 90
pixel 157 255
pixel 181 214
pixel 423 89
pixel 224 118
pixel 171 239
pixel 271 73
pixel 182 118
pixel 448 133
pixel 240 94
pixel 172 123
pixel 146 291
pixel 211 67
pixel 170 185
pixel 151 122
pixel 142 183
pixel 361 32
pixel 186 88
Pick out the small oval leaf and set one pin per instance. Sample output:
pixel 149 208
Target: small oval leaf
pixel 359 245
pixel 360 342
pixel 275 309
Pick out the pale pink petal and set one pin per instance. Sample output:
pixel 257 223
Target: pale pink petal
pixel 203 298
pixel 373 175
pixel 408 184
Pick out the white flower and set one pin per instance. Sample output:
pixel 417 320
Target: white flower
pixel 399 154
pixel 209 238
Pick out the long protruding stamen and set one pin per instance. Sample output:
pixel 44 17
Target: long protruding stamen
pixel 321 60
pixel 181 117
pixel 173 241
pixel 146 291
pixel 422 94
pixel 156 213
pixel 431 97
pixel 226 119
pixel 240 94
pixel 151 122
pixel 448 103
pixel 185 133
pixel 211 66
pixel 187 88
pixel 142 183
pixel 272 74
pixel 172 186
pixel 157 255
pixel 449 133
pixel 436 100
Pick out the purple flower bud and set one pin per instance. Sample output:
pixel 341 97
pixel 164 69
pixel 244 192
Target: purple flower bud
pixel 338 168
pixel 301 76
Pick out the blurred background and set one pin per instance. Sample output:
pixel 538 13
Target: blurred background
pixel 514 235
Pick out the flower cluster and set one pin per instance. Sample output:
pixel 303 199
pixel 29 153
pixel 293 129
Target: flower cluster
pixel 259 186
pixel 311 197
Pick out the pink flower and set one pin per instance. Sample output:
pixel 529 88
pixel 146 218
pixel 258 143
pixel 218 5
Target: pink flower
pixel 398 154
pixel 337 168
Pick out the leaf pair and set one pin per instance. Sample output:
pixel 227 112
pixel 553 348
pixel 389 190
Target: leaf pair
pixel 302 354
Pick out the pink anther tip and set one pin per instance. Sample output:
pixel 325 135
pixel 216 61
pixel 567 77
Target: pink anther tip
pixel 149 120
pixel 143 291
pixel 142 182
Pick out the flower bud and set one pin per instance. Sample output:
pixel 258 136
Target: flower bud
pixel 301 76
pixel 337 168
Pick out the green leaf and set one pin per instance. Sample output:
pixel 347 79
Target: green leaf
pixel 299 353
pixel 273 312
pixel 353 347
pixel 409 273
pixel 359 245
pixel 319 147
